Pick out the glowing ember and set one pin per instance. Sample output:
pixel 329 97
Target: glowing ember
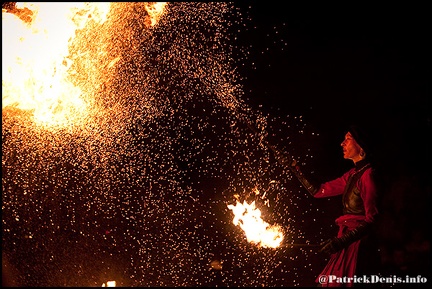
pixel 109 284
pixel 248 217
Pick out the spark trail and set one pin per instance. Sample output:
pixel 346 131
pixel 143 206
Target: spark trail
pixel 130 183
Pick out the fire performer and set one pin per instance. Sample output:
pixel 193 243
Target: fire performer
pixel 354 251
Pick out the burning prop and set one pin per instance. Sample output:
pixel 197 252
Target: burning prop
pixel 257 231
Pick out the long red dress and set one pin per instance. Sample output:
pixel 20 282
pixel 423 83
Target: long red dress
pixel 344 263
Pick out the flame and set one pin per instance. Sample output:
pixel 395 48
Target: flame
pixel 248 217
pixel 35 63
pixel 37 68
pixel 155 11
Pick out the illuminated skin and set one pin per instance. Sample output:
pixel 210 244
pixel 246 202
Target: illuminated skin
pixel 351 149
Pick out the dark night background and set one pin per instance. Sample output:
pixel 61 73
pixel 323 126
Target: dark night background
pixel 336 65
pixel 325 66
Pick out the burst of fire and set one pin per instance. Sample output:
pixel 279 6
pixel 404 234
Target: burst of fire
pixel 248 217
pixel 35 69
pixel 37 74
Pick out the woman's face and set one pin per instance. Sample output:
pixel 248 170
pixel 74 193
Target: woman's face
pixel 351 149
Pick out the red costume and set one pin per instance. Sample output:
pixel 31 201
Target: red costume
pixel 354 251
pixel 360 211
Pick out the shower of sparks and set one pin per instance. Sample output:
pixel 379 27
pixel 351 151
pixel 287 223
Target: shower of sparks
pixel 123 137
pixel 257 231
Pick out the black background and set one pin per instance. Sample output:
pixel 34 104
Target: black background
pixel 338 64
